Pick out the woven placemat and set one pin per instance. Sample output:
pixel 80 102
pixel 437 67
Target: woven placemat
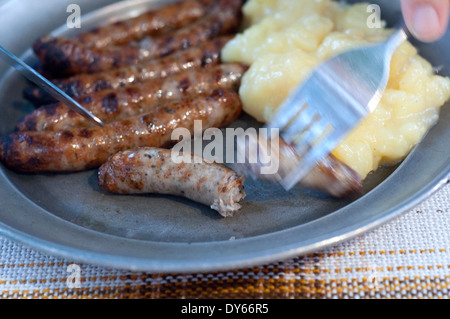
pixel 408 257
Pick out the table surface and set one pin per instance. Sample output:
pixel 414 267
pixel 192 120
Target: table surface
pixel 409 257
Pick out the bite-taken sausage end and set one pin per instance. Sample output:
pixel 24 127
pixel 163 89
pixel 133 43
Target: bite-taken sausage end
pixel 157 170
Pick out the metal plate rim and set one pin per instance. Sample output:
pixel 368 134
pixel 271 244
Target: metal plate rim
pixel 261 257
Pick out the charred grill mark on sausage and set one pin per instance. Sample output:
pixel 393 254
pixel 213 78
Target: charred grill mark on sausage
pixel 112 105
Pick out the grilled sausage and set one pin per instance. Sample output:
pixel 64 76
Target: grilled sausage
pixel 113 105
pixel 161 20
pixel 329 175
pixel 68 56
pixel 86 148
pixel 206 54
pixel 333 177
pixel 153 170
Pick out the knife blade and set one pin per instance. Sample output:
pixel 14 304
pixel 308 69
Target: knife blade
pixel 41 81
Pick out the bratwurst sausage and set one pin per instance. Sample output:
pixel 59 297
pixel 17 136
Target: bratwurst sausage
pixel 86 148
pixel 206 54
pixel 154 170
pixel 329 175
pixel 161 20
pixel 68 56
pixel 111 105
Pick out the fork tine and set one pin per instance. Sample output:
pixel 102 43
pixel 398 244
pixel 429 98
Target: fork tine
pixel 313 136
pixel 289 108
pixel 305 118
pixel 327 143
pixel 309 160
pixel 332 140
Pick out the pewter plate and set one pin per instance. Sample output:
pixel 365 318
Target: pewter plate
pixel 69 216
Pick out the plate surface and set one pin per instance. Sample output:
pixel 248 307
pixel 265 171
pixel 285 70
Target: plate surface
pixel 68 215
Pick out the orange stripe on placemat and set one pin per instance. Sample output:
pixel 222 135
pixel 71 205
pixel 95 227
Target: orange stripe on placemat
pixel 156 281
pixel 414 287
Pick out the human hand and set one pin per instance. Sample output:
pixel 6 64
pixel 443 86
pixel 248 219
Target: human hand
pixel 427 20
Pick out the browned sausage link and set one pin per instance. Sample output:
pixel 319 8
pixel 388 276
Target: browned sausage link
pixel 330 175
pixel 154 170
pixel 86 148
pixel 65 57
pixel 206 54
pixel 333 177
pixel 112 105
pixel 68 56
pixel 167 18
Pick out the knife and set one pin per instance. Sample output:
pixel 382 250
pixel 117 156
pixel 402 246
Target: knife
pixel 39 80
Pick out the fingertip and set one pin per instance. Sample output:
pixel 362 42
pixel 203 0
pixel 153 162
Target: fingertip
pixel 427 20
pixel 425 23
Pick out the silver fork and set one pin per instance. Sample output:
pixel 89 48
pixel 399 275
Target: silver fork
pixel 332 102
